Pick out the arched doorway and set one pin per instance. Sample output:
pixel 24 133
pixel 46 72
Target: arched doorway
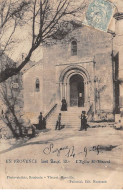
pixel 75 87
pixel 77 91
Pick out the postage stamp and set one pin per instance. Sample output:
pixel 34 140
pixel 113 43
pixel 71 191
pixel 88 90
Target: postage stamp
pixel 99 14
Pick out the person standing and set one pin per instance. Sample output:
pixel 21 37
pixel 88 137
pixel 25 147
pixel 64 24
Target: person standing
pixel 33 130
pixel 58 122
pixel 81 128
pixel 64 105
pixel 40 121
pixel 44 123
pixel 83 121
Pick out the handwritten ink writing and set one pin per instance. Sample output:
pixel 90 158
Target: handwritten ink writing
pixel 69 151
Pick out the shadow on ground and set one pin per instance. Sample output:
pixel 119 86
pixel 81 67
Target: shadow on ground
pixel 27 141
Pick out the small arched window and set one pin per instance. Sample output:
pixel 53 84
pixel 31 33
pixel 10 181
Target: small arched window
pixel 74 48
pixel 37 85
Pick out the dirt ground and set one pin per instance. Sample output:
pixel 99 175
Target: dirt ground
pixel 64 159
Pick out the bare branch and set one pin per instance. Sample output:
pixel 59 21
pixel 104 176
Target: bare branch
pixel 33 23
pixel 46 16
pixel 8 41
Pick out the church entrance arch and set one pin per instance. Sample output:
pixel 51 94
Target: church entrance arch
pixel 74 86
pixel 76 91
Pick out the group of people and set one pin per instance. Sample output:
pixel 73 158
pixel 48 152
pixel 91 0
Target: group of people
pixel 83 118
pixel 42 122
pixel 58 126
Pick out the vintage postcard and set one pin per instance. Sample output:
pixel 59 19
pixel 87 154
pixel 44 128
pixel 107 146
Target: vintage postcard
pixel 61 94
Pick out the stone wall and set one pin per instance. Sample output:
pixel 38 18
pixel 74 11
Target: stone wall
pixel 91 44
pixel 33 98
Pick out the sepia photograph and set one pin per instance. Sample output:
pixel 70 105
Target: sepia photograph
pixel 61 94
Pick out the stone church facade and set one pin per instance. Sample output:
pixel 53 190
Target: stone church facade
pixel 78 68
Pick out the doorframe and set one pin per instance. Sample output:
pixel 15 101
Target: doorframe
pixel 64 83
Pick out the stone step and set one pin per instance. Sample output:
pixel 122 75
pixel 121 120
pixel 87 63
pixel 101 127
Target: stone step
pixel 66 126
pixel 64 120
pixel 69 118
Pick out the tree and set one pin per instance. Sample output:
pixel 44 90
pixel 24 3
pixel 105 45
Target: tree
pixel 10 97
pixel 12 113
pixel 11 15
pixel 46 15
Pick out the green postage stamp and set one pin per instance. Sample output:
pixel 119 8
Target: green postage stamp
pixel 99 14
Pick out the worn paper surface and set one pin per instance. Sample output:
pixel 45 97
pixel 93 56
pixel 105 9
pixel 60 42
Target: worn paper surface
pixel 69 158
